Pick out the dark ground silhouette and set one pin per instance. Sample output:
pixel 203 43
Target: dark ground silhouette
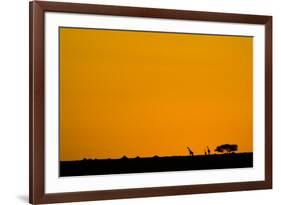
pixel 155 164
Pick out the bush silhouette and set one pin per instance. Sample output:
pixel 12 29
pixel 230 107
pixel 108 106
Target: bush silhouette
pixel 124 157
pixel 227 148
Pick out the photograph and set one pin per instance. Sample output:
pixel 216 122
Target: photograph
pixel 142 101
pixel 128 102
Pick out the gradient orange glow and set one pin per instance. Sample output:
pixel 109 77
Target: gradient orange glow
pixel 151 93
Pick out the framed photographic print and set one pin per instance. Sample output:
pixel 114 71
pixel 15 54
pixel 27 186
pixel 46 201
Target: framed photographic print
pixel 139 102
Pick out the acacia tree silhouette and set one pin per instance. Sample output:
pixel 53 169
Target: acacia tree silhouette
pixel 227 148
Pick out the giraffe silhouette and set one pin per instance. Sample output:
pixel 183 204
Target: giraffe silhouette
pixel 208 150
pixel 190 152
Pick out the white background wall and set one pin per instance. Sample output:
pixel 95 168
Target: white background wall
pixel 14 100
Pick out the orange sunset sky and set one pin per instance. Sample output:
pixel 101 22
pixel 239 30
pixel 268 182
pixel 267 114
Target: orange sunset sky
pixel 151 93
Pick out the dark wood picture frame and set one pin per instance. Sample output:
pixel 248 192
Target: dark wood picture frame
pixel 37 193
